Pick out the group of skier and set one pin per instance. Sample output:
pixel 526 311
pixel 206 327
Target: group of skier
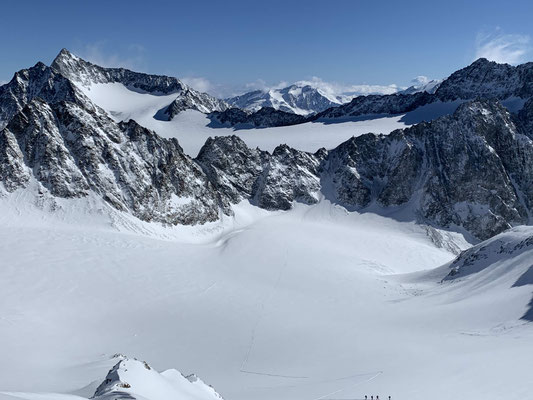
pixel 372 397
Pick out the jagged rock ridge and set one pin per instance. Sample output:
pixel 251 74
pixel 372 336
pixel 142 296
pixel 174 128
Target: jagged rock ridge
pixel 468 170
pixel 71 150
pixel 263 118
pixel 271 181
pixel 85 73
pixel 37 81
pixel 481 79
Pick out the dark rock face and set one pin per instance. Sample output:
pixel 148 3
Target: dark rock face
pixel 524 119
pixel 232 166
pixel 78 70
pixel 467 170
pixel 290 175
pixel 265 117
pixel 271 181
pixel 70 151
pixel 472 169
pixel 192 100
pixel 486 79
pixel 39 81
pixel 376 104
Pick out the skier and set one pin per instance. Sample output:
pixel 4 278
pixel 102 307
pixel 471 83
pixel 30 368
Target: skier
pixel 366 397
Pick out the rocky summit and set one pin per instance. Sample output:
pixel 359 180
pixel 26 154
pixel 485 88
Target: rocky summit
pixel 86 74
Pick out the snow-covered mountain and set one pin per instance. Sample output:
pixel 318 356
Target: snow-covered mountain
pixel 87 75
pixel 60 139
pixel 488 79
pixel 73 148
pixel 428 168
pixel 470 170
pixel 481 79
pixel 135 379
pixel 301 99
pixel 502 261
pixel 40 81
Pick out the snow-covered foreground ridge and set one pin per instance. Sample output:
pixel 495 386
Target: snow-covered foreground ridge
pixel 134 379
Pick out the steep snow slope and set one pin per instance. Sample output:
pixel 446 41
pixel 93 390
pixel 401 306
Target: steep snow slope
pixel 285 305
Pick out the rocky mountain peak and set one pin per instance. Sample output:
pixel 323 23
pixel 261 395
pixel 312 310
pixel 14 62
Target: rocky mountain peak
pixel 487 79
pixel 37 81
pixel 86 74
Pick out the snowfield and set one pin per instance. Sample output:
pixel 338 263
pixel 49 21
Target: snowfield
pixel 192 128
pixel 313 303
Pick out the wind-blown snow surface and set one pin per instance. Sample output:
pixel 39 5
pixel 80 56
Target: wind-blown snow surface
pixel 266 305
pixel 191 127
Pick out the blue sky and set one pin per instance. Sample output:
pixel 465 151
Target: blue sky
pixel 228 46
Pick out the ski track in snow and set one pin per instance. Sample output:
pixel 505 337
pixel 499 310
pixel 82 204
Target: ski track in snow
pixel 329 308
pixel 308 291
pixel 254 331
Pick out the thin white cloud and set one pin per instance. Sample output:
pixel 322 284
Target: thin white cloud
pixel 420 80
pixel 503 48
pixel 198 83
pixel 98 54
pixel 258 84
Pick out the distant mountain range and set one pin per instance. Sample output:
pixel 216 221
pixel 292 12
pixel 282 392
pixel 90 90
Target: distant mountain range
pixel 304 99
pixel 297 98
pixel 481 79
